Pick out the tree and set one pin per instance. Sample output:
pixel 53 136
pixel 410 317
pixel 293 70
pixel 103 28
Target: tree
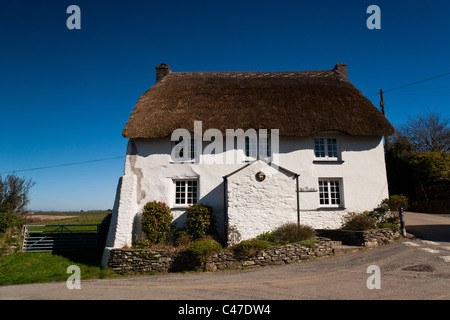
pixel 427 133
pixel 14 193
pixel 398 168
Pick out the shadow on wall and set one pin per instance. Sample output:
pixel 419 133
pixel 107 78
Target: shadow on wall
pixel 357 143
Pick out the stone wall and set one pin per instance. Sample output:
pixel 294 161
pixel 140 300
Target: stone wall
pixel 11 242
pixel 367 238
pixel 128 261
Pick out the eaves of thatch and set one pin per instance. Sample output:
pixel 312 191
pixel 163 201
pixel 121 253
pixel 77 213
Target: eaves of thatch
pixel 298 103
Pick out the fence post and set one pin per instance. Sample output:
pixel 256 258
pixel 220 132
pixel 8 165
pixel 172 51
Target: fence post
pixel 402 222
pixel 24 238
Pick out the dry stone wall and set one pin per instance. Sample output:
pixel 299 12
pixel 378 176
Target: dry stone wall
pixel 132 261
pixel 128 261
pixel 369 238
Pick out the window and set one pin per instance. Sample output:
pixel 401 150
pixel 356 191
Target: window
pixel 252 147
pixel 186 192
pixel 330 192
pixel 179 150
pixel 326 148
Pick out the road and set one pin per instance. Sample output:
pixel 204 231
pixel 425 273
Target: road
pixel 409 269
pixel 434 227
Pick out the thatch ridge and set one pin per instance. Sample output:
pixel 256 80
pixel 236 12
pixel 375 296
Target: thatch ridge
pixel 298 103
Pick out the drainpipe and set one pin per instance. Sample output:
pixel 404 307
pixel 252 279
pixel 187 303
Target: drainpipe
pixel 298 198
pixel 225 209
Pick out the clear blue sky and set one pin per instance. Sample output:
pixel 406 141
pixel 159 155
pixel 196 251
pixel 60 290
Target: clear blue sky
pixel 65 95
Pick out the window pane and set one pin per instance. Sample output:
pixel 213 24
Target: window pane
pixel 329 192
pixel 323 192
pixel 251 147
pixel 193 149
pixel 178 150
pixel 332 148
pixel 192 192
pixel 186 192
pixel 264 147
pixel 319 147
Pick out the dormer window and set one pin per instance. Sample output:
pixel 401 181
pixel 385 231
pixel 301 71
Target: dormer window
pixel 180 155
pixel 326 149
pixel 257 147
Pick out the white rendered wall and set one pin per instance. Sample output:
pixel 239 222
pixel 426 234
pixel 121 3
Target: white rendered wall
pixel 150 173
pixel 258 206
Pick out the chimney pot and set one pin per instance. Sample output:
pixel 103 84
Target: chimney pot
pixel 161 71
pixel 341 68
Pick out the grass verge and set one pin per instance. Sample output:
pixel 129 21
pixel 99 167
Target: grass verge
pixel 39 267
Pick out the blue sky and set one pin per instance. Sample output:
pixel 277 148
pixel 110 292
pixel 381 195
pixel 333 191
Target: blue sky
pixel 65 95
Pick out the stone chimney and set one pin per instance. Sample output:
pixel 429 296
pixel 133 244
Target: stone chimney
pixel 161 71
pixel 341 68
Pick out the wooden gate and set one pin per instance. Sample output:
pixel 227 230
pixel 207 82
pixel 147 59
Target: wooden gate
pixel 43 238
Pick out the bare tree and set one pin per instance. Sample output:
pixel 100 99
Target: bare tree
pixel 427 133
pixel 14 193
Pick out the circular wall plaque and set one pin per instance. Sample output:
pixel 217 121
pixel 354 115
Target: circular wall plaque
pixel 260 176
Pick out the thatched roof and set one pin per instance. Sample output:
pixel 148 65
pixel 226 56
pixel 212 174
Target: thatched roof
pixel 298 103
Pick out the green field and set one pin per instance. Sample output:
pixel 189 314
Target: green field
pixel 35 267
pixel 89 217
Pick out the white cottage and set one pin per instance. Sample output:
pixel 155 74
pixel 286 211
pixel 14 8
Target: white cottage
pixel 322 156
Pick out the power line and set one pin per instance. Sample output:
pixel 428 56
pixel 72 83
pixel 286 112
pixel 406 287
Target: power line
pixel 423 94
pixel 63 165
pixel 412 83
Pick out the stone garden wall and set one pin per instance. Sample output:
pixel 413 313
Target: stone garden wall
pixel 368 238
pixel 133 261
pixel 129 261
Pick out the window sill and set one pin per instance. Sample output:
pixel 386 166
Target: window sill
pixel 328 161
pixel 330 209
pixel 181 162
pixel 181 207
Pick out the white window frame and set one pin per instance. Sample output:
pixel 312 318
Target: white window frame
pixel 192 153
pixel 183 192
pixel 327 149
pixel 257 146
pixel 327 188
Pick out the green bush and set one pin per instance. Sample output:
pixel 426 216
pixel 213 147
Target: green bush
pixel 270 236
pixel 293 232
pixel 251 247
pixel 200 221
pixel 391 225
pixel 10 221
pixel 156 221
pixel 203 248
pixel 388 211
pixel 431 166
pixel 358 222
pixel 395 202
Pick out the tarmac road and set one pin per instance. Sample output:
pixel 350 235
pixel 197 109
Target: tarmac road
pixel 409 269
pixel 434 227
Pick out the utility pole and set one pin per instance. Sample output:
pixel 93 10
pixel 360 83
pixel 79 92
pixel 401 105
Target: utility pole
pixel 386 139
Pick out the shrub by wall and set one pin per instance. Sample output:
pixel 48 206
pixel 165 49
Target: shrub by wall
pixel 200 221
pixel 10 233
pixel 156 221
pixel 203 248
